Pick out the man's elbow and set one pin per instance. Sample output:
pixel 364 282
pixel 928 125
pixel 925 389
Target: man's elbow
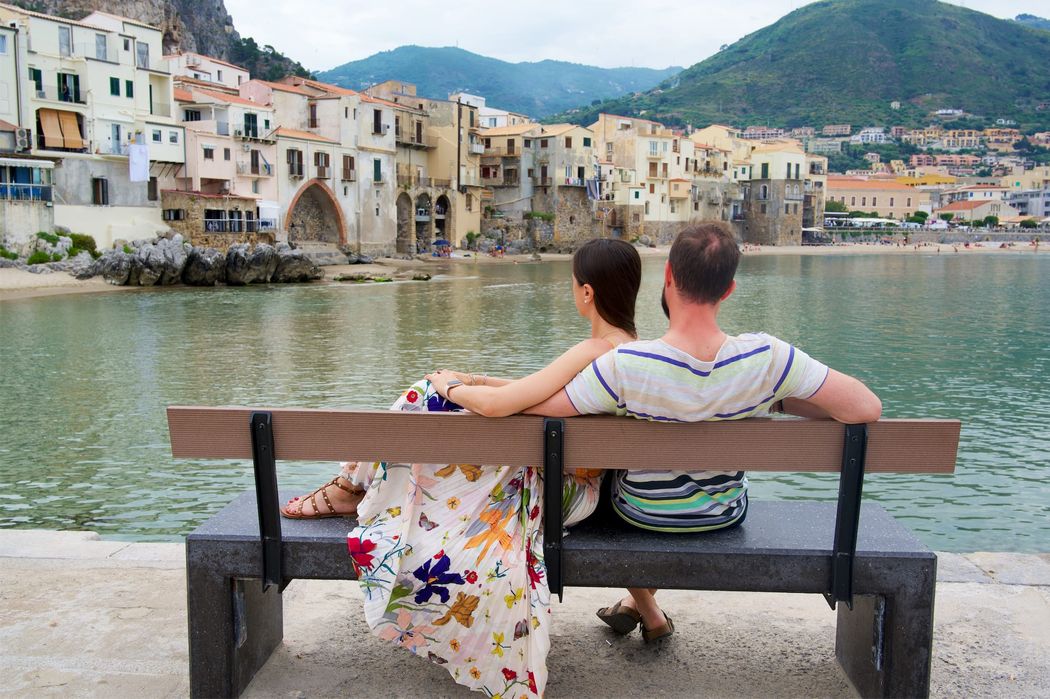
pixel 868 410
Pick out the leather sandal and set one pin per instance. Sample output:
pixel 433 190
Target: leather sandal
pixel 621 619
pixel 294 509
pixel 662 631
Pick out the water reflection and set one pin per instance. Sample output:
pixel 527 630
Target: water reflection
pixel 83 442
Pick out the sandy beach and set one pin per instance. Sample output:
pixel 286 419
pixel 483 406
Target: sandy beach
pixel 16 284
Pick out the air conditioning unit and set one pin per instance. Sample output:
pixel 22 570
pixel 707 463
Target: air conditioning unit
pixel 41 94
pixel 238 133
pixel 246 147
pixel 225 187
pixel 23 139
pixel 386 128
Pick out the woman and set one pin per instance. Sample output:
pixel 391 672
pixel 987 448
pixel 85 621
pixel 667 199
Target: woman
pixel 450 556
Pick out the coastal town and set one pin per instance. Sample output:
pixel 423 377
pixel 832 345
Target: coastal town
pixel 101 134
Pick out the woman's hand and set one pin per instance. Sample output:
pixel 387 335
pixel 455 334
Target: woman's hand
pixel 440 379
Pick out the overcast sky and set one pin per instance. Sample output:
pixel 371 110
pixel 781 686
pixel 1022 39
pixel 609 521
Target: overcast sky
pixel 652 33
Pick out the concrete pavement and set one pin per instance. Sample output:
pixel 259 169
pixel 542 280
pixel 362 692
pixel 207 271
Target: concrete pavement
pixel 80 616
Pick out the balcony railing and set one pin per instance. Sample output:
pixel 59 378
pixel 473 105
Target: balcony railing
pixel 96 52
pixel 503 151
pixel 260 170
pixel 25 192
pixel 239 225
pixel 406 138
pixel 323 172
pixel 654 156
pixel 542 181
pixel 573 182
pixel 160 109
pixel 54 94
pixel 253 134
pixel 348 175
pixel 477 148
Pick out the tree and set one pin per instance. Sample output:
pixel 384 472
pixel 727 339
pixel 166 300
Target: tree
pixel 921 214
pixel 947 217
pixel 1029 223
pixel 835 206
pixel 991 221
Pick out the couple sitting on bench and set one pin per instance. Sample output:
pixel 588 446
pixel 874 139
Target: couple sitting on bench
pixel 450 556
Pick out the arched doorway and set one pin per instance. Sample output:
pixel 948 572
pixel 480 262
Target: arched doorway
pixel 314 216
pixel 423 221
pixel 443 218
pixel 405 245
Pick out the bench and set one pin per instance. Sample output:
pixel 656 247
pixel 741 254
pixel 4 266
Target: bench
pixel 878 576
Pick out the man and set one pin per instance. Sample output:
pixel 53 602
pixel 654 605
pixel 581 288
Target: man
pixel 697 372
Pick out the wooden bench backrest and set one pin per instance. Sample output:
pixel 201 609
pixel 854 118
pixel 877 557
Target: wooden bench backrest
pixel 757 444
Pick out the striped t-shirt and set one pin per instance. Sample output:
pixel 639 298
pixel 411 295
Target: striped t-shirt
pixel 652 380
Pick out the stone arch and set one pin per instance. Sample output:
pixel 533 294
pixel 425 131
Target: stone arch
pixel 314 215
pixel 443 218
pixel 424 217
pixel 405 244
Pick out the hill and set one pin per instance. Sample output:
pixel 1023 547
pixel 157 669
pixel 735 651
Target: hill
pixel 1033 21
pixel 845 61
pixel 536 89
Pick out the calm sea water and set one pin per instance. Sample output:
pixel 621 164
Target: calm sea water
pixel 85 379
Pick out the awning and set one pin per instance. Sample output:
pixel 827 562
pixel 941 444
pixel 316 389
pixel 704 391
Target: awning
pixel 52 131
pixel 70 130
pixel 25 162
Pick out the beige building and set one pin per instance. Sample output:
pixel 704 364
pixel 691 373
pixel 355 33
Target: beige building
pixel 888 197
pixel 87 92
pixel 969 211
pixel 563 164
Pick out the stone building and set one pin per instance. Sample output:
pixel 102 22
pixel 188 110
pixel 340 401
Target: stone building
pixel 774 196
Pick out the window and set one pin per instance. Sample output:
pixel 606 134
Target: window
pixel 255 186
pixel 3 43
pixel 266 125
pixel 763 208
pixel 471 113
pixel 796 171
pixel 765 171
pixel 348 167
pixel 192 115
pixel 646 208
pixel 158 136
pixel 544 143
pixel 141 54
pixel 114 87
pixel 652 188
pixel 69 87
pixel 295 162
pixel 99 191
pixel 909 202
pixel 787 208
pixel 470 197
pixel 218 76
pixel 321 162
pixel 129 88
pixel 101 47
pixel 65 40
pixel 568 141
pixel 151 189
pixel 127 44
pixel 794 208
pixel 764 192
pixel 36 76
pixel 377 121
pixel 586 142
pixel 209 152
pixel 377 170
pixel 173 214
pixel 637 194
pixel 173 137
pixel 874 201
pixel 863 201
pixel 226 154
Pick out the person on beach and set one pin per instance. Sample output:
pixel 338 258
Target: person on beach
pixel 698 372
pixel 450 556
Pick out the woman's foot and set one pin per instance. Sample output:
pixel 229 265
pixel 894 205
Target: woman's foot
pixel 336 498
pixel 649 614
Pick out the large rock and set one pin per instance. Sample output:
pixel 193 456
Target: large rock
pixel 204 267
pixel 293 266
pixel 83 266
pixel 115 267
pixel 250 266
pixel 159 263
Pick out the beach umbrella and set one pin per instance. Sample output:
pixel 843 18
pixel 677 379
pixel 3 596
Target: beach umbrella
pixel 441 241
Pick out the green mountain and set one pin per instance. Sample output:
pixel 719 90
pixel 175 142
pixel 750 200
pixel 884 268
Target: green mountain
pixel 536 89
pixel 845 61
pixel 1033 21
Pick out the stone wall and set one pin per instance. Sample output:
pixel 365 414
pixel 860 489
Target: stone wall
pixel 192 225
pixel 774 226
pixel 21 220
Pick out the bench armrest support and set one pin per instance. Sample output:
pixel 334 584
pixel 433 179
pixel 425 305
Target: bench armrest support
pixel 265 463
pixel 847 520
pixel 553 476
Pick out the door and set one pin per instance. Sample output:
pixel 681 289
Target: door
pixel 115 139
pixel 419 132
pixel 65 40
pixel 251 125
pixel 255 162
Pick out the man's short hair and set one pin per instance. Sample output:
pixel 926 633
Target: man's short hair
pixel 703 260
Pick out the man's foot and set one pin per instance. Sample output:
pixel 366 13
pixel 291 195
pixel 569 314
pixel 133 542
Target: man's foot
pixel 338 498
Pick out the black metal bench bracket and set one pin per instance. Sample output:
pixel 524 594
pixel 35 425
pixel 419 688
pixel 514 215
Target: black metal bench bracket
pixel 847 520
pixel 553 433
pixel 265 462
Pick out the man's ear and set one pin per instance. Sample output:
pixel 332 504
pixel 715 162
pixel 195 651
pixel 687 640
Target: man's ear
pixel 729 291
pixel 668 277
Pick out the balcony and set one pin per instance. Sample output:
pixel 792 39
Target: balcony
pixel 653 175
pixel 253 134
pixel 160 109
pixel 260 169
pixel 25 192
pixel 542 181
pixel 502 151
pixel 233 224
pixel 574 182
pixel 96 52
pixel 53 94
pixel 380 129
pixel 654 156
pixel 348 176
pixel 313 123
pixel 154 66
pixel 323 173
pixel 405 138
pixel 477 148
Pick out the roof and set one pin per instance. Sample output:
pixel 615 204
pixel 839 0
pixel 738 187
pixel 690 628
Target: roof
pixel 515 130
pixel 53 18
pixel 126 20
pixel 967 205
pixel 780 147
pixel 219 87
pixel 317 85
pixel 223 97
pixel 559 129
pixel 182 95
pixel 203 195
pixel 303 135
pixel 284 87
pixel 7 126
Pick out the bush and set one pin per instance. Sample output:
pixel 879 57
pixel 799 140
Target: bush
pixel 540 215
pixel 129 250
pixel 82 241
pixel 1029 223
pixel 38 257
pixel 56 257
pixel 49 237
pixel 7 254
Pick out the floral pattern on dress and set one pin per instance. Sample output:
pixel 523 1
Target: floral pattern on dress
pixel 450 560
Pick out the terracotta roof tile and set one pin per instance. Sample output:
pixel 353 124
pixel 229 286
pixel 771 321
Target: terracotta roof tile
pixel 303 135
pixel 222 96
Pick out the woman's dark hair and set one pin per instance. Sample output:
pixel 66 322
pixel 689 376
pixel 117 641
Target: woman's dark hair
pixel 613 268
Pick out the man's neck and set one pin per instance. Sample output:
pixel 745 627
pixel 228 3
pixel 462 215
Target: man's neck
pixel 694 330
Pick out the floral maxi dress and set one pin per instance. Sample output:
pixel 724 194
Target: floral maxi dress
pixel 450 560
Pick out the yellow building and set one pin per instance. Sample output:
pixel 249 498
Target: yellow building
pixel 888 197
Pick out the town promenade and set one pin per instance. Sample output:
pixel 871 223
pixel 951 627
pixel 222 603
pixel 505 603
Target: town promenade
pixel 83 616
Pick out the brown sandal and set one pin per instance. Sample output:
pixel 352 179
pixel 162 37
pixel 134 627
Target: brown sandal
pixel 294 509
pixel 662 631
pixel 623 620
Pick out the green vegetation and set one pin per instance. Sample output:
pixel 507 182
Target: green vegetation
pixel 835 206
pixel 947 217
pixel 537 89
pixel 38 257
pixel 128 250
pixel 7 254
pixel 83 243
pixel 49 237
pixel 541 215
pixel 844 61
pixel 472 239
pixel 990 221
pixel 1029 223
pixel 264 62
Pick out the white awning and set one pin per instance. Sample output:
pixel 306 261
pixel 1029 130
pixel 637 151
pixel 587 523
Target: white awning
pixel 23 162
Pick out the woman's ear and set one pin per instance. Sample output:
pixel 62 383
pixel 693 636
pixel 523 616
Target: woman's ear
pixel 588 293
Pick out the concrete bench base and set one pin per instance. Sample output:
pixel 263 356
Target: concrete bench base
pixel 884 644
